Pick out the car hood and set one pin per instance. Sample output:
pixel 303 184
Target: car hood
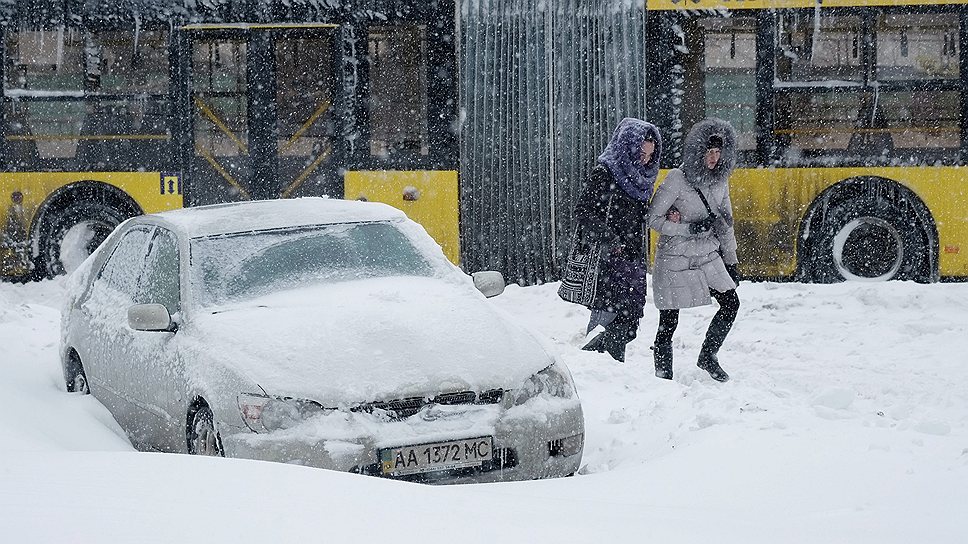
pixel 372 340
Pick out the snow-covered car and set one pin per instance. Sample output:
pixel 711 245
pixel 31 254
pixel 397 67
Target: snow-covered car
pixel 321 332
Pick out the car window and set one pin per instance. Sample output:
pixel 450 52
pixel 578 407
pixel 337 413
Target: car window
pixel 123 268
pixel 160 281
pixel 247 265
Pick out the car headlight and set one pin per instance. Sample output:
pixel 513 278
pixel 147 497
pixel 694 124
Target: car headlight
pixel 265 414
pixel 554 380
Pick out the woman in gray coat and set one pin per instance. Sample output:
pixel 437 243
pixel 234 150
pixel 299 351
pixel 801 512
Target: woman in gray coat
pixel 696 253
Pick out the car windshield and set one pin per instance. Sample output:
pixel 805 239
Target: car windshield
pixel 236 267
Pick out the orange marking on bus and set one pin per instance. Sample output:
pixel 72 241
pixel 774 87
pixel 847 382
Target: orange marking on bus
pixel 952 249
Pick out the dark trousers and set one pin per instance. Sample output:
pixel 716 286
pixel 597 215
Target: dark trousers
pixel 718 329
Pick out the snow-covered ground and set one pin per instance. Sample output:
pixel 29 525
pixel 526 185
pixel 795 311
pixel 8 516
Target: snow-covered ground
pixel 846 421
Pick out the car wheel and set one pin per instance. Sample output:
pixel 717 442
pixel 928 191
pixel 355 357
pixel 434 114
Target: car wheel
pixel 202 436
pixel 74 233
pixel 76 378
pixel 869 240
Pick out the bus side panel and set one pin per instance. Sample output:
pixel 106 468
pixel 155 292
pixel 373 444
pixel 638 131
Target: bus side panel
pixel 771 204
pixel 428 197
pixel 767 218
pixel 152 191
pixel 944 191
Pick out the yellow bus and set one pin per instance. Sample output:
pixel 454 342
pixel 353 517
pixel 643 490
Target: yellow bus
pixel 852 119
pixel 137 106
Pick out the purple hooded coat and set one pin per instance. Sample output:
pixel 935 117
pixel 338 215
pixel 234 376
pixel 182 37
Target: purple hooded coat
pixel 621 157
pixel 612 209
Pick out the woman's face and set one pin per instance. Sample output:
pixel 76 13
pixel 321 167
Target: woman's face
pixel 713 155
pixel 648 148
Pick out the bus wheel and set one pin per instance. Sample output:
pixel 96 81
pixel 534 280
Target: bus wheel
pixel 870 240
pixel 74 233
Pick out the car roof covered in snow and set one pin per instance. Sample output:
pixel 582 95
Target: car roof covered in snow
pixel 273 214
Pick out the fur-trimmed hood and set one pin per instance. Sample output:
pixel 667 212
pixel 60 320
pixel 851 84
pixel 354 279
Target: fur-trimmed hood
pixel 694 151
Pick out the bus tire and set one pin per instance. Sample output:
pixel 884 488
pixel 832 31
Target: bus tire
pixel 870 239
pixel 83 224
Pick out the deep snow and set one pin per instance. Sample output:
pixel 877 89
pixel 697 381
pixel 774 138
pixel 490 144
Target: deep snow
pixel 846 421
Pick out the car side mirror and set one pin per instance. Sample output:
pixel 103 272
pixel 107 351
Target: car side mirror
pixel 489 282
pixel 150 317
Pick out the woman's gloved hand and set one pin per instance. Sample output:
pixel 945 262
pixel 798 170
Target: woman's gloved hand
pixel 703 225
pixel 733 273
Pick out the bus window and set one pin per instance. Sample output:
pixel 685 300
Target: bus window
pixel 828 49
pixel 809 124
pixel 922 119
pixel 90 133
pixel 916 46
pixel 44 62
pixel 130 63
pixel 398 91
pixel 43 129
pixel 730 82
pixel 57 83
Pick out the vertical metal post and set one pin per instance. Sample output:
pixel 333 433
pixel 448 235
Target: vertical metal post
pixel 552 148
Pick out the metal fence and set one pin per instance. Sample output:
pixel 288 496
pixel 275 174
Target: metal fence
pixel 543 86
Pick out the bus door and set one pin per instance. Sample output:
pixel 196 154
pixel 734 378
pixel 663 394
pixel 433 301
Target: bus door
pixel 262 101
pixel 306 92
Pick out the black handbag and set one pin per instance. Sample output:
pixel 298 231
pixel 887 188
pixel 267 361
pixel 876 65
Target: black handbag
pixel 579 281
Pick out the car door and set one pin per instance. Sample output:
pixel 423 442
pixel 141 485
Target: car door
pixel 105 309
pixel 156 362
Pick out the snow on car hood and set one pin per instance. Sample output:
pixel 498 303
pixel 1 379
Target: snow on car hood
pixel 372 340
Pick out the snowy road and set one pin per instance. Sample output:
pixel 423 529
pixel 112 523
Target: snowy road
pixel 846 421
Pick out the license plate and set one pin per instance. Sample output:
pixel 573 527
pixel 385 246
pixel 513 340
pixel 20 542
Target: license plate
pixel 471 452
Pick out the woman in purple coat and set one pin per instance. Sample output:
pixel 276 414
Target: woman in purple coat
pixel 612 209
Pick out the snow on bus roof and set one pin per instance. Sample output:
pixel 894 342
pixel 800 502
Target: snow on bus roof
pixel 272 214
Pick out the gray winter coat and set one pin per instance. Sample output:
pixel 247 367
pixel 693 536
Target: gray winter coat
pixel 688 265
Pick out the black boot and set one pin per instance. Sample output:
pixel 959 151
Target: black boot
pixel 718 329
pixel 710 363
pixel 615 346
pixel 663 360
pixel 596 344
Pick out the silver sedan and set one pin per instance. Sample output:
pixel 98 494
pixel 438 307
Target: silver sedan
pixel 327 333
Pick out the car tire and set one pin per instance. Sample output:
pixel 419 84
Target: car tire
pixel 97 218
pixel 76 378
pixel 203 439
pixel 869 239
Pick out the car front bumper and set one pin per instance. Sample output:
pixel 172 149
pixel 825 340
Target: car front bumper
pixel 542 438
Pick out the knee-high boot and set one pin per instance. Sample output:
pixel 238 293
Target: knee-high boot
pixel 662 348
pixel 663 360
pixel 622 330
pixel 615 345
pixel 716 334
